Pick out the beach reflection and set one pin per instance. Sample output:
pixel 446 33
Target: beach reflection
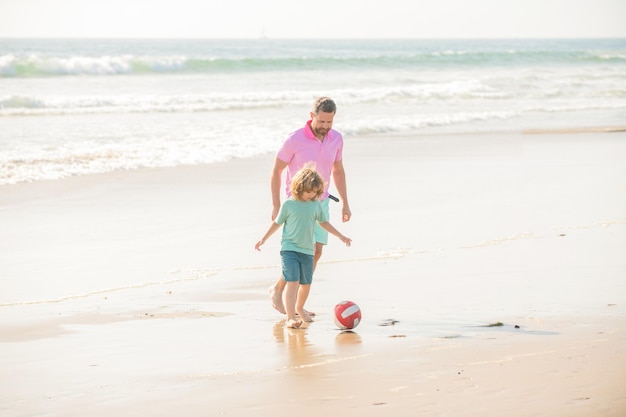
pixel 347 338
pixel 301 352
pixel 298 347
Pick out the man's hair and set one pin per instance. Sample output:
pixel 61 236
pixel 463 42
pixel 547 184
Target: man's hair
pixel 324 104
pixel 305 180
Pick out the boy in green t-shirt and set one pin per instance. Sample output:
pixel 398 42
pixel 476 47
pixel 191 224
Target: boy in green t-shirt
pixel 299 215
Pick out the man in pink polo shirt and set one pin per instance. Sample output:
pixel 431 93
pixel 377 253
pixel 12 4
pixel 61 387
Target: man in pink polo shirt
pixel 319 143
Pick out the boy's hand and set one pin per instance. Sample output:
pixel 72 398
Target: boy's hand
pixel 258 245
pixel 346 240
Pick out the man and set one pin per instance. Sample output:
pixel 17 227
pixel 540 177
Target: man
pixel 319 143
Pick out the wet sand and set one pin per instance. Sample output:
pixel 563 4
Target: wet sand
pixel 489 269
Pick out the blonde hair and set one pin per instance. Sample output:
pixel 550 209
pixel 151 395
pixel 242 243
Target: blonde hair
pixel 305 180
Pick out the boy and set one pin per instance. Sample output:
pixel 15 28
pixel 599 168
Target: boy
pixel 299 215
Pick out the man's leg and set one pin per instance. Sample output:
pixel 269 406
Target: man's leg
pixel 318 254
pixel 276 295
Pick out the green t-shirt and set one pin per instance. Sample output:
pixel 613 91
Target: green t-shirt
pixel 298 219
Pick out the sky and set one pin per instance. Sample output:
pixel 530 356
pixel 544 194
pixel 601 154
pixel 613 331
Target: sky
pixel 318 19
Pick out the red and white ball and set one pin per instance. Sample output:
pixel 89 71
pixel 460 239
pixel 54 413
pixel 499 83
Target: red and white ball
pixel 347 315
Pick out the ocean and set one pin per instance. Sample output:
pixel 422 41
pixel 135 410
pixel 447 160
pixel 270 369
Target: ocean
pixel 78 107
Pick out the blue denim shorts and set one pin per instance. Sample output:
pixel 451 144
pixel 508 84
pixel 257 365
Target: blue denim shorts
pixel 297 267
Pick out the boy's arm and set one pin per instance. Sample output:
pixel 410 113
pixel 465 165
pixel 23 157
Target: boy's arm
pixel 331 229
pixel 273 228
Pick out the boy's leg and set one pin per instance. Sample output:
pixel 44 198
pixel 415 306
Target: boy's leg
pixel 276 290
pixel 316 257
pixel 276 295
pixel 291 271
pixel 303 294
pixel 306 278
pixel 291 296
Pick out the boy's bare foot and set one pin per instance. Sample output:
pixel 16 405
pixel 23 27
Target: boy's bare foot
pixel 277 300
pixel 304 315
pixel 293 324
pixel 310 313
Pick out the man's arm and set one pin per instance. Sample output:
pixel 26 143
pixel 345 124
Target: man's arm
pixel 275 182
pixel 339 177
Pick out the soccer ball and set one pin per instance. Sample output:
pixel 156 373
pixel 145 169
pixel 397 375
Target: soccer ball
pixel 347 315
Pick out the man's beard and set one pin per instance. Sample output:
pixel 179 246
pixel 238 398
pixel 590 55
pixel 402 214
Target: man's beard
pixel 321 131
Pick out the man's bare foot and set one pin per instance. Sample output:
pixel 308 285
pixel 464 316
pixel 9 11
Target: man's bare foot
pixel 277 300
pixel 293 324
pixel 304 315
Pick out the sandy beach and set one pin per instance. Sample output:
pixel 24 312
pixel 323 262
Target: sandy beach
pixel 489 268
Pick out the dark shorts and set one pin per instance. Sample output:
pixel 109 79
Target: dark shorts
pixel 297 267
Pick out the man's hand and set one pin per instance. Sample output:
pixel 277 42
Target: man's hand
pixel 346 214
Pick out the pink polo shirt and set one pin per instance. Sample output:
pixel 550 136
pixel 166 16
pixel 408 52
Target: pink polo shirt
pixel 302 146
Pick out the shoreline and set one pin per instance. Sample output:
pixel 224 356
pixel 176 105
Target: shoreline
pixel 375 136
pixel 569 130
